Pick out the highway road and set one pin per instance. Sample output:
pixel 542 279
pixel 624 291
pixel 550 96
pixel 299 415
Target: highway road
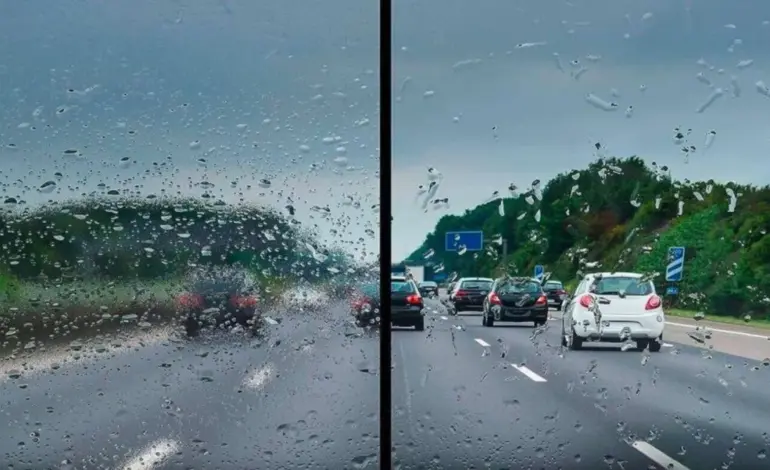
pixel 468 396
pixel 306 395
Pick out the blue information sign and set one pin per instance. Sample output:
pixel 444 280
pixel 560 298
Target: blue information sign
pixel 467 240
pixel 539 272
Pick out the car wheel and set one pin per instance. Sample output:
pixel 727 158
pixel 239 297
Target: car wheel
pixel 539 323
pixel 641 344
pixel 574 342
pixel 420 325
pixel 655 345
pixel 487 320
pixel 192 326
pixel 563 336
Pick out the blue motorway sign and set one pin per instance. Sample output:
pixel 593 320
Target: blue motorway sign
pixel 672 290
pixel 471 240
pixel 539 272
pixel 675 266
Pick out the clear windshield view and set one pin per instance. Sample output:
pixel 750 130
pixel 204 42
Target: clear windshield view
pixel 561 140
pixel 189 193
pixel 626 285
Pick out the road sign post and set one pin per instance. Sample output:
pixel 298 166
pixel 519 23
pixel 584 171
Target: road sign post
pixel 539 272
pixel 469 240
pixel 674 269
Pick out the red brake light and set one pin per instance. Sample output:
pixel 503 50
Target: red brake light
pixel 494 299
pixel 542 300
pixel 189 300
pixel 652 303
pixel 414 299
pixel 245 301
pixel 359 302
pixel 586 301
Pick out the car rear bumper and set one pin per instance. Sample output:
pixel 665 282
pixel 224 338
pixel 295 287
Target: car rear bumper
pixel 405 316
pixel 520 314
pixel 465 304
pixel 619 329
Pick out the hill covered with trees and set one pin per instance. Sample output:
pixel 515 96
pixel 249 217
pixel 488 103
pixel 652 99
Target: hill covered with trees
pixel 622 214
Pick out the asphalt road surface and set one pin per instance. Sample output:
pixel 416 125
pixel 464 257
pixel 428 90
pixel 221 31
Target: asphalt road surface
pixel 468 396
pixel 304 396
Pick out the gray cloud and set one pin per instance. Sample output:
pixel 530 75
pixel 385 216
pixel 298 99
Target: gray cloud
pixel 499 114
pixel 276 90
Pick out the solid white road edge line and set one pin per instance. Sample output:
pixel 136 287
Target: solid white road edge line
pixel 483 343
pixel 719 330
pixel 529 373
pixel 657 456
pixel 153 455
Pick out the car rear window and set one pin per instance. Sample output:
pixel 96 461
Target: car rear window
pixel 476 285
pixel 428 284
pixel 552 285
pixel 525 287
pixel 617 284
pixel 399 286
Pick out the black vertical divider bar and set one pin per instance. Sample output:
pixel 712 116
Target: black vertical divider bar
pixel 386 116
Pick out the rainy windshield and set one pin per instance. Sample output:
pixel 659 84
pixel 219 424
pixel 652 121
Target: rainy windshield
pixel 155 155
pixel 562 140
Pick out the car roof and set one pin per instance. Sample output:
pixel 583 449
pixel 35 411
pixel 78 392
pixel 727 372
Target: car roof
pixel 615 274
pixel 532 279
pixel 475 279
pixel 552 280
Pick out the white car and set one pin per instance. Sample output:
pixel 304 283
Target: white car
pixel 614 308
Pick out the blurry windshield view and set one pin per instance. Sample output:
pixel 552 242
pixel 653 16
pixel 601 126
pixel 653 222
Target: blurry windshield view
pixel 576 141
pixel 189 198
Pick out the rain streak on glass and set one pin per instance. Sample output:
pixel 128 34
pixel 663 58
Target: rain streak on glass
pixel 601 264
pixel 188 224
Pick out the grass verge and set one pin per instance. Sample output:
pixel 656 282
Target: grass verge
pixel 690 314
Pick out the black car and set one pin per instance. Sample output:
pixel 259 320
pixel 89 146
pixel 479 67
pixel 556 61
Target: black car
pixel 218 298
pixel 406 305
pixel 469 293
pixel 515 300
pixel 365 303
pixel 554 291
pixel 428 288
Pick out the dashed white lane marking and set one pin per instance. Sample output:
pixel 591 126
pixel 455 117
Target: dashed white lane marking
pixel 444 318
pixel 153 455
pixel 259 378
pixel 271 321
pixel 657 456
pixel 529 373
pixel 719 330
pixel 483 343
pixel 668 345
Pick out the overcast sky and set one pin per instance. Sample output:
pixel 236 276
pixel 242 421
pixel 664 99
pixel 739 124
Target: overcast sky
pixel 497 114
pixel 259 90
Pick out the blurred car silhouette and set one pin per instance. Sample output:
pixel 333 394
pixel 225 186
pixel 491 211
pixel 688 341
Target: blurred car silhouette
pixel 219 298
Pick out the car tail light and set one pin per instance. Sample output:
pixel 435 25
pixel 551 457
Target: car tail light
pixel 414 299
pixel 586 301
pixel 494 299
pixel 189 300
pixel 244 301
pixel 461 293
pixel 652 303
pixel 358 303
pixel 542 300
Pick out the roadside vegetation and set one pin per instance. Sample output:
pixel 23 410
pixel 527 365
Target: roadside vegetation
pixel 623 215
pixel 122 259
